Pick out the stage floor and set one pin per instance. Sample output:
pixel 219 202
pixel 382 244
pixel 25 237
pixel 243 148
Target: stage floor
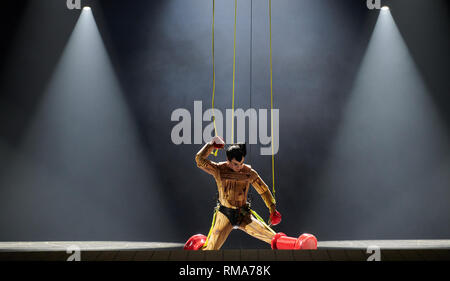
pixel 355 250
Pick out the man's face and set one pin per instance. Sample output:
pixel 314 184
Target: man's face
pixel 236 165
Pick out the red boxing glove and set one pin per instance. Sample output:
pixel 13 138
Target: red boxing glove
pixel 218 142
pixel 275 218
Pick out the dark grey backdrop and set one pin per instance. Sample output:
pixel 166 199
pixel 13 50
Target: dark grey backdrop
pixel 135 184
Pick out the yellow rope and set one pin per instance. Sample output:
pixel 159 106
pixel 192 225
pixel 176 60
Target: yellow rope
pixel 212 226
pixel 262 221
pixel 271 98
pixel 234 71
pixel 214 77
pixel 214 70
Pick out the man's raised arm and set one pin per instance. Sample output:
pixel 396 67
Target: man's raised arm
pixel 202 156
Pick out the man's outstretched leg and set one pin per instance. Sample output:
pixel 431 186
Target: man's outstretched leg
pixel 256 229
pixel 221 230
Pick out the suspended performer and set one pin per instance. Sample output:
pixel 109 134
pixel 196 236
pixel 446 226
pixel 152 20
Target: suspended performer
pixel 233 179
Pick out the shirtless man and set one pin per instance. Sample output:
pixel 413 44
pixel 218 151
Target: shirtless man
pixel 233 179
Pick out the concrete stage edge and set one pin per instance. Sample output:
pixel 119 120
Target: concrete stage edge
pixel 354 250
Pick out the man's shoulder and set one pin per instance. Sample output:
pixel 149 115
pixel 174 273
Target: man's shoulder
pixel 249 168
pixel 222 166
pixel 250 171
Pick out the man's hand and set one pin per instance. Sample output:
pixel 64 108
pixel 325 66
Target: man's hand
pixel 218 142
pixel 275 217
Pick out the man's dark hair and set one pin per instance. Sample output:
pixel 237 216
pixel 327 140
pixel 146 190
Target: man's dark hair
pixel 236 151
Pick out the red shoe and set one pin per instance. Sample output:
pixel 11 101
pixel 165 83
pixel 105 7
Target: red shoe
pixel 195 243
pixel 306 241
